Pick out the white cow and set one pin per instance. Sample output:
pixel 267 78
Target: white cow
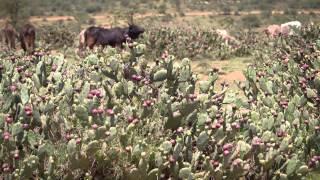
pixel 296 24
pixel 288 28
pixel 225 36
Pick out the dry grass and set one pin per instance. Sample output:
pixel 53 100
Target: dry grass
pixel 229 70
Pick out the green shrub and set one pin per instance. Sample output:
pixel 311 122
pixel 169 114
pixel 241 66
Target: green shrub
pixel 251 21
pixel 93 9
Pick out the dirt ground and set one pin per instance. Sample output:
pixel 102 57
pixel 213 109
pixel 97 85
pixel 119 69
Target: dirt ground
pixel 230 71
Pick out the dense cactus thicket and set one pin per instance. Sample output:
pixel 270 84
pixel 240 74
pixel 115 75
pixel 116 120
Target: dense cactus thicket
pixel 190 42
pixel 57 36
pixel 115 116
pixel 180 42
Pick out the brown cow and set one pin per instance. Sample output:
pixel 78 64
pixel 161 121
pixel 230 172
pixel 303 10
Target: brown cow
pixel 273 31
pixel 27 38
pixel 10 36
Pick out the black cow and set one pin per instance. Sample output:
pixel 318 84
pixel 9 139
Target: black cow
pixel 27 38
pixel 114 37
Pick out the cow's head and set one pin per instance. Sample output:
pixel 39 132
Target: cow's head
pixel 266 31
pixel 134 31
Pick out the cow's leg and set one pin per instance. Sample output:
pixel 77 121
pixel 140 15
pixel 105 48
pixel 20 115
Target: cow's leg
pixel 23 44
pixel 91 41
pixel 13 42
pixel 80 50
pixel 91 46
pixel 117 45
pixel 10 42
pixel 27 42
pixel 29 46
pixel 32 45
pixel 33 42
pixel 121 46
pixel 81 46
pixel 6 40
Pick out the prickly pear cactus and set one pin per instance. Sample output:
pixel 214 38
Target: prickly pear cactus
pixel 115 115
